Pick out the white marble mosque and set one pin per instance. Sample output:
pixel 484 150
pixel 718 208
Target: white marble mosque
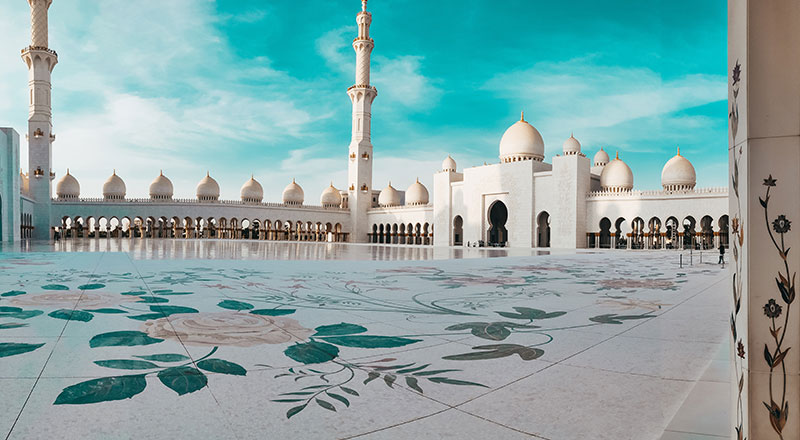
pixel 520 201
pixel 595 344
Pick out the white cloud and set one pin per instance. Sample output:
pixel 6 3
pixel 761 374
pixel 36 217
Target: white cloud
pixel 579 95
pixel 399 79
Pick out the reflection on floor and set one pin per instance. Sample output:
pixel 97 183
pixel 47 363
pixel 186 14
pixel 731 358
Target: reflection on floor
pixel 243 343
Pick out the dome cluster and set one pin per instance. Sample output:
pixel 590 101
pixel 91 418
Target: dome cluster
pixel 293 194
pixel 416 195
pixel 207 190
pixel 571 146
pixel 161 188
pixel 331 197
pixel 521 142
pixel 252 191
pixel 616 176
pixel 114 188
pixel 68 187
pixel 678 174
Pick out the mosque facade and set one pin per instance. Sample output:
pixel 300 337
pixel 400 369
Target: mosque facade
pixel 521 201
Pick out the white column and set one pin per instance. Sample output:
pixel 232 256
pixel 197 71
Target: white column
pixel 764 153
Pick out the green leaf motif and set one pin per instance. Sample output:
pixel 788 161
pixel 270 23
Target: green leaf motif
pixel 326 405
pixel 493 331
pixel 124 338
pixel 313 352
pixel 221 366
pixel 172 310
pixel 342 328
pixel 349 391
pixel 106 311
pixel 389 379
pixel 295 410
pixel 134 293
pixel 528 313
pixel 91 286
pixel 498 351
pixel 612 318
pixel 126 364
pixel 273 312
pixel 104 389
pixel 339 398
pixel 71 315
pixel 12 293
pixel 14 348
pixel 167 292
pixel 152 300
pixel 18 313
pixel 183 380
pixel 55 287
pixel 367 341
pixel 235 305
pixel 146 316
pixel 454 382
pixel 372 375
pixel 413 383
pixel 165 357
pixel 10 325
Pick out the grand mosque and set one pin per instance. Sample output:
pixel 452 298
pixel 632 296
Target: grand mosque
pixel 520 200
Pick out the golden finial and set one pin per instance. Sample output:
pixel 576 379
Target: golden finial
pixel 208 173
pixel 364 5
pixel 522 116
pixel 68 171
pixel 617 154
pixel 114 172
pixel 679 150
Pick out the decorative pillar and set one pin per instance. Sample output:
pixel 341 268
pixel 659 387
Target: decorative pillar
pixel 764 152
pixel 40 60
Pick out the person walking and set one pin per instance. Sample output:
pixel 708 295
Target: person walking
pixel 721 254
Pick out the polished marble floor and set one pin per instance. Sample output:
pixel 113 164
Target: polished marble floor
pixel 198 340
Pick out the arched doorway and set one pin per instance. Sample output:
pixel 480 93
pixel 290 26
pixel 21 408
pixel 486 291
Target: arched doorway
pixel 458 231
pixel 605 233
pixel 498 216
pixel 543 227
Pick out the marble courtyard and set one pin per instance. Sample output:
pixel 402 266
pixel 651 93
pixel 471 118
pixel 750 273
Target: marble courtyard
pixel 191 339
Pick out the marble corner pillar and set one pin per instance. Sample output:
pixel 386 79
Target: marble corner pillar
pixel 764 179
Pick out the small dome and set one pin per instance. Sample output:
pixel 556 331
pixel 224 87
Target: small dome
pixel 449 164
pixel 252 191
pixel 678 174
pixel 601 158
pixel 161 188
pixel 617 176
pixel 572 146
pixel 293 194
pixel 208 189
pixel 416 194
pixel 389 196
pixel 331 197
pixel 68 187
pixel 114 188
pixel 521 142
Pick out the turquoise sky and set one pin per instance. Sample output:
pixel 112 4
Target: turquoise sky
pixel 258 87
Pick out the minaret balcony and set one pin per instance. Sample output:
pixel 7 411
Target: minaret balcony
pixel 39 48
pixel 362 86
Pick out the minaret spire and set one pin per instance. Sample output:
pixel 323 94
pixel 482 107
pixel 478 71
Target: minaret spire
pixel 40 60
pixel 362 94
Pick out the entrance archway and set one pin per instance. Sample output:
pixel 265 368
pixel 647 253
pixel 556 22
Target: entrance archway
pixel 498 216
pixel 458 231
pixel 543 227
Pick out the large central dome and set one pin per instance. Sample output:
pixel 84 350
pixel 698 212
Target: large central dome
pixel 521 142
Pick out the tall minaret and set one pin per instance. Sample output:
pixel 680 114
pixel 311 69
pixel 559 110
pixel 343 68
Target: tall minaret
pixel 40 60
pixel 360 155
